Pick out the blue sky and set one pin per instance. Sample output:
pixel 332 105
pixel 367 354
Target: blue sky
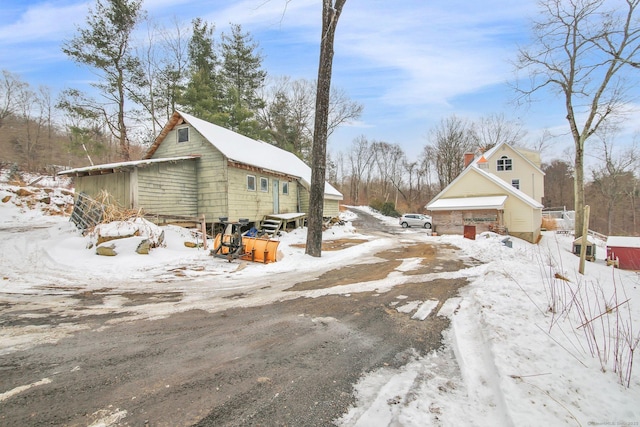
pixel 410 63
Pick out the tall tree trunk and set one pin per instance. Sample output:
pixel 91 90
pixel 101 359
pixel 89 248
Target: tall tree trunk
pixel 122 127
pixel 330 14
pixel 578 184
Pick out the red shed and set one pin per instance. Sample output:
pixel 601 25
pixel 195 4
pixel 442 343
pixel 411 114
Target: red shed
pixel 626 250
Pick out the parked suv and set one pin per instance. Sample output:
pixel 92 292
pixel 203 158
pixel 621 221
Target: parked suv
pixel 415 220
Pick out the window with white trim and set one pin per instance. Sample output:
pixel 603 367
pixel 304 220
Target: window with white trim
pixel 515 183
pixel 251 183
pixel 285 188
pixel 504 164
pixel 183 134
pixel 264 184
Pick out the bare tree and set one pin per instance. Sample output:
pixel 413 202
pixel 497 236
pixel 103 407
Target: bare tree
pixel 288 114
pixel 32 120
pixel 495 129
pixel 579 51
pixel 174 65
pixel 426 170
pixel 390 160
pixel 559 185
pixel 289 110
pixel 163 62
pixel 330 14
pixel 145 94
pixel 450 140
pixel 360 158
pixel 614 177
pixel 341 109
pixel 10 88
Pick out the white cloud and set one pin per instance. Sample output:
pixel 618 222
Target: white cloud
pixel 43 22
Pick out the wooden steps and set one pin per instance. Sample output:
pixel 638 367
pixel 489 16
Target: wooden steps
pixel 271 226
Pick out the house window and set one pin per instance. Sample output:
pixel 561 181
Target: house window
pixel 264 184
pixel 515 183
pixel 285 188
pixel 183 134
pixel 504 164
pixel 251 183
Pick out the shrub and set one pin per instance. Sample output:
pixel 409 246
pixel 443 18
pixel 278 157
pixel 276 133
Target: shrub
pixel 389 209
pixel 376 205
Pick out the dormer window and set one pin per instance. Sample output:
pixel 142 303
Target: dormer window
pixel 504 164
pixel 183 134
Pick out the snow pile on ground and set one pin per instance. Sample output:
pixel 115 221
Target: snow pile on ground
pixel 34 201
pixel 532 342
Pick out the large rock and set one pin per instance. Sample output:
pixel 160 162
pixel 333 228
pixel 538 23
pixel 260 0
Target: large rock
pixel 144 247
pixel 23 192
pixel 106 250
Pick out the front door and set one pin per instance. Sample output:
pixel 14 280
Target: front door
pixel 276 196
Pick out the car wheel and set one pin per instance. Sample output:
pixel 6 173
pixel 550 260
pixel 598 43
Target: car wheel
pixel 427 225
pixel 404 225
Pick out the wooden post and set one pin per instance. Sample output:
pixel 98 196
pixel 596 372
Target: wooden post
pixel 585 234
pixel 204 233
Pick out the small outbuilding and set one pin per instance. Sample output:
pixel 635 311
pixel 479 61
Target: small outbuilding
pixel 591 248
pixel 624 251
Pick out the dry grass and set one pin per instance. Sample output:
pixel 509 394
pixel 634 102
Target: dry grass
pixel 549 224
pixel 113 211
pixel 600 314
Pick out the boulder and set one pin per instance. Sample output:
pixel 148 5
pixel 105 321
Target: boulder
pixel 106 250
pixel 144 247
pixel 5 199
pixel 23 192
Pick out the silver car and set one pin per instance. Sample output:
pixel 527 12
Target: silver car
pixel 415 220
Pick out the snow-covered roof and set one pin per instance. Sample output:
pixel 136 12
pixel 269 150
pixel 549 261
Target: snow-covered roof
pixel 623 241
pixel 260 154
pixel 87 170
pixel 460 203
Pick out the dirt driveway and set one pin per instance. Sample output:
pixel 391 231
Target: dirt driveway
pixel 288 363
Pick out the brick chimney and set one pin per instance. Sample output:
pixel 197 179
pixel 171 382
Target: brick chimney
pixel 468 158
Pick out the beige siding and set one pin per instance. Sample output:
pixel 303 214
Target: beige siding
pixel 169 188
pixel 211 173
pixel 519 217
pixel 331 208
pixel 303 195
pixel 531 179
pixel 473 184
pixel 116 184
pixel 255 204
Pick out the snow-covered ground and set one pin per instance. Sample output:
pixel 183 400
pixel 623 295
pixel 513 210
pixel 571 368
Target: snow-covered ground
pixel 532 342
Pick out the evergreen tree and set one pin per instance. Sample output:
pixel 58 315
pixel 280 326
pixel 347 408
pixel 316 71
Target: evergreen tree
pixel 242 78
pixel 203 93
pixel 104 45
